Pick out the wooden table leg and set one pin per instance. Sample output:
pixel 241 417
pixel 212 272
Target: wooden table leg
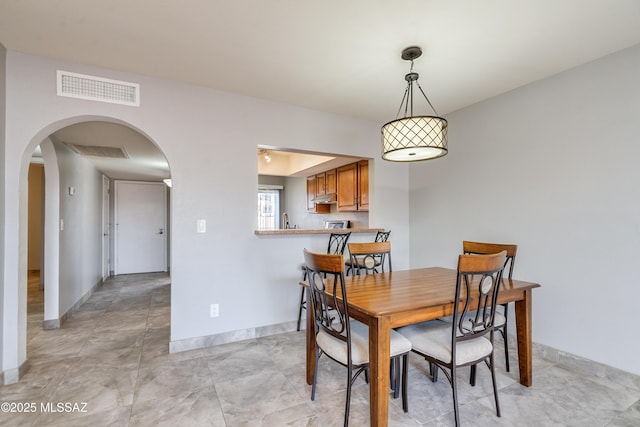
pixel 311 341
pixel 379 331
pixel 524 334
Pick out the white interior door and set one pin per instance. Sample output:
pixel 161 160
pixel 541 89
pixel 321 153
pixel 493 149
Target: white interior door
pixel 140 227
pixel 105 227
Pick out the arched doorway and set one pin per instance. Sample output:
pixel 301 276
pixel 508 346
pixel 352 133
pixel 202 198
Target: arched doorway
pixel 75 206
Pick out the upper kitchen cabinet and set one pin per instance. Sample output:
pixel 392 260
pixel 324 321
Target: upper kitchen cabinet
pixel 331 181
pixel 363 185
pixel 320 184
pixel 353 187
pixel 326 183
pixel 312 193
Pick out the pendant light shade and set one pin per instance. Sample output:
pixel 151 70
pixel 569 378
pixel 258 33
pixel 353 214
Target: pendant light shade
pixel 413 138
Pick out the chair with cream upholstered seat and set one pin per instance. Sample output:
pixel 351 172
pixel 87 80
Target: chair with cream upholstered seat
pixel 481 248
pixel 342 339
pixel 337 244
pixel 369 257
pixel 381 236
pixel 468 340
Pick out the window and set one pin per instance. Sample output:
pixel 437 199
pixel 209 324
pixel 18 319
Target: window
pixel 269 207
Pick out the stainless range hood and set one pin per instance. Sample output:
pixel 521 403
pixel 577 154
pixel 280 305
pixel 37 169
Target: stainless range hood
pixel 325 199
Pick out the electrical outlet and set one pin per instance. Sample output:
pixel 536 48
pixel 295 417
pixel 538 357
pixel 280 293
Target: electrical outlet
pixel 214 310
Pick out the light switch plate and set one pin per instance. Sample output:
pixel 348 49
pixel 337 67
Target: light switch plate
pixel 202 226
pixel 214 310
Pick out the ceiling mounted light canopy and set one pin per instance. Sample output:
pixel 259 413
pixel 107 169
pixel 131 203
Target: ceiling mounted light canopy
pixel 413 138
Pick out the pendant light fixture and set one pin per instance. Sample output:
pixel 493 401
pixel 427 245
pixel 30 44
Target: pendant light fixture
pixel 413 138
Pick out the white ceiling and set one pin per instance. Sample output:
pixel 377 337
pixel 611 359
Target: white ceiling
pixel 296 164
pixel 333 55
pixel 145 161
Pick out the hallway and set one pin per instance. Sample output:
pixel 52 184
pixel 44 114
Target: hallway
pixel 112 354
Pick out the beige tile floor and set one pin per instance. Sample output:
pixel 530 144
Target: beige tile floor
pixel 112 354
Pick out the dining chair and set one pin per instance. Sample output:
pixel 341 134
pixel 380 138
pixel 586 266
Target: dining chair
pixel 468 340
pixel 501 321
pixel 342 339
pixel 381 236
pixel 337 244
pixel 369 256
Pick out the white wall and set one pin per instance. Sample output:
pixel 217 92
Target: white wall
pixel 553 167
pixel 52 233
pixel 81 239
pixel 209 138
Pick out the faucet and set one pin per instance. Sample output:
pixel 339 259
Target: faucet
pixel 285 221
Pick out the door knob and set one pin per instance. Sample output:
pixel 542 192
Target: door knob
pixel 161 231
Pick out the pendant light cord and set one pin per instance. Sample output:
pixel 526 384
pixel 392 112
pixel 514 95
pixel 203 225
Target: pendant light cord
pixel 427 98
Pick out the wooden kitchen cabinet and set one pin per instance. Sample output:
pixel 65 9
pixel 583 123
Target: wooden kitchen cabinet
pixel 311 192
pixel 312 188
pixel 363 185
pixel 348 187
pixel 320 184
pixel 330 182
pixel 326 183
pixel 350 183
pixel 353 187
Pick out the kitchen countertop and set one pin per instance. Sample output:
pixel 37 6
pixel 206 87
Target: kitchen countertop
pixel 296 231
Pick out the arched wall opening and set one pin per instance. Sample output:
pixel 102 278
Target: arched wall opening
pixel 54 310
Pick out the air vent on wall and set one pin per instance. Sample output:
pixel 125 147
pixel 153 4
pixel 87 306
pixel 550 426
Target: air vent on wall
pixel 97 151
pixel 92 88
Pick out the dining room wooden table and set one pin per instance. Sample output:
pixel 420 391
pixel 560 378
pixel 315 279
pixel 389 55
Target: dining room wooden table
pixel 392 299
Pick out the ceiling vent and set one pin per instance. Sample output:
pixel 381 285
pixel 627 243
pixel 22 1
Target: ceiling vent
pixel 92 88
pixel 97 151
